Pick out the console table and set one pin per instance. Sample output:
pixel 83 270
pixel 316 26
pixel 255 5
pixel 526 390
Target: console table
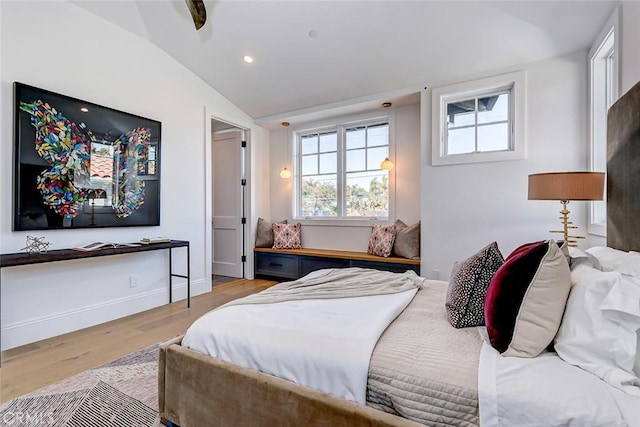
pixel 18 259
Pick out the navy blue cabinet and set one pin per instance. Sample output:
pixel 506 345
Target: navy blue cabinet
pixel 290 265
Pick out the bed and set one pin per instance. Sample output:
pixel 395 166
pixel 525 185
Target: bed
pixel 437 383
pixel 416 346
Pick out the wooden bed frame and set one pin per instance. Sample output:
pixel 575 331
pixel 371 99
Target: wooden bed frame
pixel 198 390
pixel 195 389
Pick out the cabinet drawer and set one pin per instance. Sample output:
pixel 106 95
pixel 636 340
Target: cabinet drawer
pixel 386 266
pixel 279 265
pixel 309 264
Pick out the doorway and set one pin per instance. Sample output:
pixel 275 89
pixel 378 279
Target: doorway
pixel 228 201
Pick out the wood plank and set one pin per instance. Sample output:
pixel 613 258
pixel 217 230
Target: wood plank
pixel 330 253
pixel 36 365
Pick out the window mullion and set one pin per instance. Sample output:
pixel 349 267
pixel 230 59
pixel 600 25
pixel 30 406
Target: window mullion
pixel 340 175
pixel 476 126
pixel 298 175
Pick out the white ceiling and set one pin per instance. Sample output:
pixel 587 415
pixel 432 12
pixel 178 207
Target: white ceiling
pixel 361 48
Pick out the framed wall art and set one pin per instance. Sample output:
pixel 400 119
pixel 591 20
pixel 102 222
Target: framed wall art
pixel 82 165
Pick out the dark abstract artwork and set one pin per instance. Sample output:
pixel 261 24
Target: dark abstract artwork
pixel 81 165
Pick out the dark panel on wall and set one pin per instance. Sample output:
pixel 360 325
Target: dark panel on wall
pixel 623 172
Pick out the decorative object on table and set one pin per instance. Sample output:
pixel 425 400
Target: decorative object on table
pixel 198 12
pixel 67 148
pixel 566 186
pixel 94 246
pixel 152 240
pixel 36 245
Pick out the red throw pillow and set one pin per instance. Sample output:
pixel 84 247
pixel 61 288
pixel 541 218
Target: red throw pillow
pixel 526 299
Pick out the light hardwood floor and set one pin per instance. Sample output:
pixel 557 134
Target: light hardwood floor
pixel 36 365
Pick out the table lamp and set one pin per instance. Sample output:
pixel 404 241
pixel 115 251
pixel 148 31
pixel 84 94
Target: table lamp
pixel 566 186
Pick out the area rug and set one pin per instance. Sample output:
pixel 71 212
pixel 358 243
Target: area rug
pixel 122 393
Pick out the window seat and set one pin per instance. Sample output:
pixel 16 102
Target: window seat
pixel 295 263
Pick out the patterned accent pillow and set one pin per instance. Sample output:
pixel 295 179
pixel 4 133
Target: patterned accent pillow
pixel 381 240
pixel 526 299
pixel 287 236
pixel 468 286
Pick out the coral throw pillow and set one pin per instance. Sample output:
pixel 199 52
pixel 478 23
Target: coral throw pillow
pixel 381 240
pixel 287 236
pixel 526 299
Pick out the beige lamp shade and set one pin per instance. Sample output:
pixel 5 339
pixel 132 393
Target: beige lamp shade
pixel 566 186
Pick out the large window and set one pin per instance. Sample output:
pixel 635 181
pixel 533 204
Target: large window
pixel 603 93
pixel 479 121
pixel 339 174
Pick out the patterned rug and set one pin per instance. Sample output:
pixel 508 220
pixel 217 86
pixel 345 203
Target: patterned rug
pixel 122 393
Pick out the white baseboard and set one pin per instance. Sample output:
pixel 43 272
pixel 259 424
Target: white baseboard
pixel 39 328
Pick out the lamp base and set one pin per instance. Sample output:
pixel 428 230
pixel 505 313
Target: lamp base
pixel 564 219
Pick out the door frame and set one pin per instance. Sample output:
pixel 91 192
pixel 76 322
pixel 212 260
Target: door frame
pixel 239 198
pixel 208 195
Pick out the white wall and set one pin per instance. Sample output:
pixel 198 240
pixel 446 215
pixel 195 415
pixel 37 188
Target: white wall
pixel 86 57
pixel 407 166
pixel 465 207
pixel 629 45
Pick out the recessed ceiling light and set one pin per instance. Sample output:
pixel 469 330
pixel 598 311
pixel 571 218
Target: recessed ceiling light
pixel 248 59
pixel 386 105
pixel 84 109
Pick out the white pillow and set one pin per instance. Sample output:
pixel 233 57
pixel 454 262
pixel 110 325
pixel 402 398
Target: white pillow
pixel 579 257
pixel 630 265
pixel 589 337
pixel 609 258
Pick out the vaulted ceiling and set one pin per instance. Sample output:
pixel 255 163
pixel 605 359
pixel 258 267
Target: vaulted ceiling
pixel 311 53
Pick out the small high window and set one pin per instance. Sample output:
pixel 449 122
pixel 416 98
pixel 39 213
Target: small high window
pixel 479 121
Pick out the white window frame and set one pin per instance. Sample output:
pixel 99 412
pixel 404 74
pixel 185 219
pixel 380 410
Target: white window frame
pixel 604 78
pixel 443 95
pixel 340 124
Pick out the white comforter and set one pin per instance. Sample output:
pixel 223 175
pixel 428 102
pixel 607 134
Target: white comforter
pixel 328 351
pixel 547 391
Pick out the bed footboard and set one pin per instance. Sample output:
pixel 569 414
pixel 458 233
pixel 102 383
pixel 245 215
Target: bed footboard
pixel 198 390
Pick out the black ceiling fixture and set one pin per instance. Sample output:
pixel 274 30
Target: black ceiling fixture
pixel 198 12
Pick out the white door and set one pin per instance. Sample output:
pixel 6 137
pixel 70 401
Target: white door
pixel 227 204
